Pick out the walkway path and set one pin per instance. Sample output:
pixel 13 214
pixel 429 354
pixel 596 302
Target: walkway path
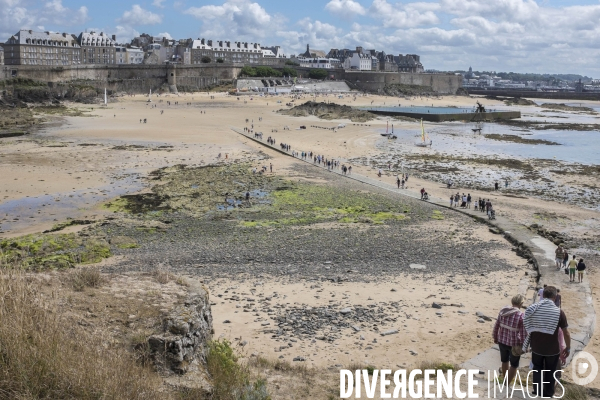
pixel 581 325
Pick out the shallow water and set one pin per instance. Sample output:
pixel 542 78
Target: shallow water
pixel 22 213
pixel 458 139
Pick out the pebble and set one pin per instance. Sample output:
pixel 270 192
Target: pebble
pixel 482 316
pixel 435 305
pixel 299 358
pixel 390 332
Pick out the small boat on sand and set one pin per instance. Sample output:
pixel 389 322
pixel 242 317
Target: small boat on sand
pixel 425 140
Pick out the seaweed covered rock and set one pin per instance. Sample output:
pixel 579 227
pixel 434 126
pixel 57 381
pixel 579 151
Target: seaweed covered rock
pixel 328 111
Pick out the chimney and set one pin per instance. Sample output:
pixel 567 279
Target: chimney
pixel 64 34
pixel 114 38
pixel 30 31
pixel 359 49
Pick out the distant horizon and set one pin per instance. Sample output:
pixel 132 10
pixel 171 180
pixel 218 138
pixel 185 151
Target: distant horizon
pixel 521 36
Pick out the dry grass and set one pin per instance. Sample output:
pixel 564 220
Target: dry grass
pixel 86 277
pixel 45 356
pixel 298 369
pixel 163 276
pixel 573 392
pixel 436 365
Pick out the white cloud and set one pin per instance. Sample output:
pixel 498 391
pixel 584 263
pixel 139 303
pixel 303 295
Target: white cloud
pixel 403 16
pixel 165 35
pixel 28 14
pixel 158 3
pixel 237 18
pixel 124 33
pixel 57 14
pixel 345 8
pixel 138 16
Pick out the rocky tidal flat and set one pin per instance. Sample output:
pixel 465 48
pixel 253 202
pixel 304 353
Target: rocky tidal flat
pixel 291 228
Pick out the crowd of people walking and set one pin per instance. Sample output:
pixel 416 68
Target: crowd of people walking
pixel 570 266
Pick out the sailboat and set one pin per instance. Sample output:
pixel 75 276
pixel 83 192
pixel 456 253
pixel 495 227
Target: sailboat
pixel 425 141
pixel 386 130
pixel 392 136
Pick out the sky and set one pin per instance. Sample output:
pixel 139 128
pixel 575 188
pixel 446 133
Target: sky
pixel 545 36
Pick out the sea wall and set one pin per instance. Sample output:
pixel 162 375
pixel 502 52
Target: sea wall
pixel 127 78
pixel 488 116
pixel 142 78
pixel 377 81
pixel 532 94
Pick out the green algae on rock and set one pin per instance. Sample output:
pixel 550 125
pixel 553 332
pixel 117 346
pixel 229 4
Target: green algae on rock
pixel 49 251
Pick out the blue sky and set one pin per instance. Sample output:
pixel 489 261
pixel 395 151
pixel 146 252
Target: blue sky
pixel 554 36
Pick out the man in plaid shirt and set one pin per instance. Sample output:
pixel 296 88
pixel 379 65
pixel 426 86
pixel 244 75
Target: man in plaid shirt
pixel 509 331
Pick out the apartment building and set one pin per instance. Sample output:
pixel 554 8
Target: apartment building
pixel 28 47
pixel 135 55
pixel 97 48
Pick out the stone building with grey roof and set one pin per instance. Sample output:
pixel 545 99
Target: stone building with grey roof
pixel 28 47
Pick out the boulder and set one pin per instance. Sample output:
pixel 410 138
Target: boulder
pixel 186 330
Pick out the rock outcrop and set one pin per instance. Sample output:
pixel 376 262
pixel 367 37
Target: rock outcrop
pixel 186 329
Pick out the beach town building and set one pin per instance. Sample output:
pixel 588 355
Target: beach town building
pixel 318 62
pixel 97 48
pixel 182 53
pixel 135 55
pixel 386 62
pixel 203 50
pixel 1 54
pixel 359 61
pixel 28 47
pixel 373 60
pixel 409 63
pixel 273 52
pixel 160 51
pixel 121 54
pixel 200 48
pixel 238 52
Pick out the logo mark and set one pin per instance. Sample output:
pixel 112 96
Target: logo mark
pixel 583 363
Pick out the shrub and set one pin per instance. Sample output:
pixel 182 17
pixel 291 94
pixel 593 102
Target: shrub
pixel 317 74
pixel 267 71
pixel 287 71
pixel 86 277
pixel 248 71
pixel 230 379
pixel 220 60
pixel 206 59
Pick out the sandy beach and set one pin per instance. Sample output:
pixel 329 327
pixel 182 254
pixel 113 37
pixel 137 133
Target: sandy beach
pixel 305 251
